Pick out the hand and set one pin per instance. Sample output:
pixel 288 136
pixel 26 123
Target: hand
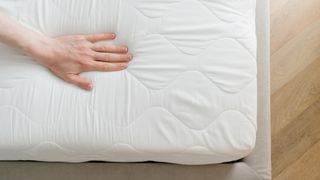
pixel 68 56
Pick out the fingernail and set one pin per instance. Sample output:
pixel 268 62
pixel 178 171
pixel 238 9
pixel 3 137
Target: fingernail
pixel 124 65
pixel 90 86
pixel 113 35
pixel 130 56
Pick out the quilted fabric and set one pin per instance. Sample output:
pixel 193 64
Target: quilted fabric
pixel 188 96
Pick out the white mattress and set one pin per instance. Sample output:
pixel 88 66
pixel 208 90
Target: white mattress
pixel 188 96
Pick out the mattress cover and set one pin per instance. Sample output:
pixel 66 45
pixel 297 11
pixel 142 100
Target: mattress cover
pixel 188 96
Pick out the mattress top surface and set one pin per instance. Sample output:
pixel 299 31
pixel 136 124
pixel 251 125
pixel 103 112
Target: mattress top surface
pixel 188 96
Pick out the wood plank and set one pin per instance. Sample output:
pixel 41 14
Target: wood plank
pixel 295 56
pixel 307 167
pixel 295 97
pixel 289 18
pixel 295 88
pixel 296 139
pixel 276 6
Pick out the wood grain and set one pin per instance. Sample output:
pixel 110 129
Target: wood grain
pixel 295 97
pixel 294 56
pixel 289 18
pixel 305 168
pixel 296 138
pixel 295 88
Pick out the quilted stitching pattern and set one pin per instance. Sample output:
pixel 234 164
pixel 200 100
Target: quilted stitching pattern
pixel 188 97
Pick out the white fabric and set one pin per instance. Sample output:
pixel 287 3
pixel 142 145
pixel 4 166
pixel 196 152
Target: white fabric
pixel 188 96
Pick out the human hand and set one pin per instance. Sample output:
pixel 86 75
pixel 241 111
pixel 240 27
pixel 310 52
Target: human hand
pixel 68 56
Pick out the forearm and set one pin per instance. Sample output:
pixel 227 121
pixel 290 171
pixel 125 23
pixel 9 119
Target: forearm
pixel 15 34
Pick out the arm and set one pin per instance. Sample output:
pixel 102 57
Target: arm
pixel 66 56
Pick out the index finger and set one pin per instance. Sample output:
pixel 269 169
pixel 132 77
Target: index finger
pixel 100 37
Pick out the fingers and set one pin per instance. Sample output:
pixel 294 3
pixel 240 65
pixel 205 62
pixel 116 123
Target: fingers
pixel 85 83
pixel 108 53
pixel 110 57
pixel 105 66
pixel 79 81
pixel 75 79
pixel 110 48
pixel 115 53
pixel 100 37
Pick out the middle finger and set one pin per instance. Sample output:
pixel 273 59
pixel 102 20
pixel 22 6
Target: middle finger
pixel 112 57
pixel 110 48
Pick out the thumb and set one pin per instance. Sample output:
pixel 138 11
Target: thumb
pixel 79 81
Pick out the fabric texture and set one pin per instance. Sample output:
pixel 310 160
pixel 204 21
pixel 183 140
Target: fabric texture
pixel 189 95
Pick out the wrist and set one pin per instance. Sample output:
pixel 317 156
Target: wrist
pixel 39 49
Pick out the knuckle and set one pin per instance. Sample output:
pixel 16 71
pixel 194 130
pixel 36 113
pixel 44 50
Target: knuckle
pixel 104 48
pixel 107 57
pixel 127 57
pixel 118 49
pixel 75 82
pixel 65 78
pixel 100 48
pixel 106 68
pixel 122 65
pixel 84 63
pixel 123 48
pixel 68 79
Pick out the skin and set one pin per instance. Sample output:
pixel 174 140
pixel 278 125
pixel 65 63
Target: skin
pixel 66 56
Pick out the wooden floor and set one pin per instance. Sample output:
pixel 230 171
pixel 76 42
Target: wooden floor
pixel 295 86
